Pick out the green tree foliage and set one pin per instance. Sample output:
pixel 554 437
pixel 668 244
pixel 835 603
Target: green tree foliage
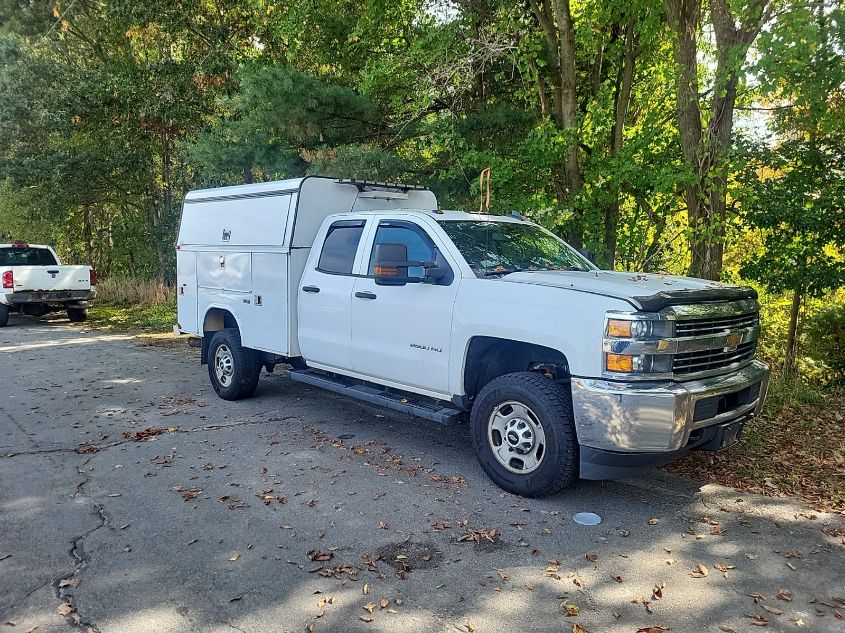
pixel 795 189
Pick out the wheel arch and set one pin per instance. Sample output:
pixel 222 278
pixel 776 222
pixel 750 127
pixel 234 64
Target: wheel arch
pixel 216 318
pixel 489 357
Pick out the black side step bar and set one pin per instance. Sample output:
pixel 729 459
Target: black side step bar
pixel 415 405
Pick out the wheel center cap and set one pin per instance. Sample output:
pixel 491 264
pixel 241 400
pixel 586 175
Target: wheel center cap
pixel 519 436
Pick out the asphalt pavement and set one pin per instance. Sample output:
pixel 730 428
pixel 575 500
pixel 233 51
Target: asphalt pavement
pixel 133 500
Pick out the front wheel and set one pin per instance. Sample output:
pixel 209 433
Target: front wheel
pixel 523 431
pixel 232 368
pixel 4 315
pixel 77 315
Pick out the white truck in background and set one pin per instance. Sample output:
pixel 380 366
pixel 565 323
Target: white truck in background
pixel 370 290
pixel 33 282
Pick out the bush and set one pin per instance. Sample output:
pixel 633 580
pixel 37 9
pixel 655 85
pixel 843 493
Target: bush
pixel 825 336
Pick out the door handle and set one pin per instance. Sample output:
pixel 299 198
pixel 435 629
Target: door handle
pixel 365 295
pixel 310 289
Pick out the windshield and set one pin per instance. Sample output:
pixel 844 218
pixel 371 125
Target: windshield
pixel 499 248
pixel 26 257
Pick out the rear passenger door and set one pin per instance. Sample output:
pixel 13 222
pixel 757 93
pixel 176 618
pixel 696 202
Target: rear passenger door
pixel 325 297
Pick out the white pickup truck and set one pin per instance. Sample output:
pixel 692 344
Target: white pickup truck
pixel 35 283
pixel 369 290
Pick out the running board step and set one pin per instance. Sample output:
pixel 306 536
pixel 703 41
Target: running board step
pixel 415 405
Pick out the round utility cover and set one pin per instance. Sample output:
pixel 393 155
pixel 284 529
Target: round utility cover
pixel 586 518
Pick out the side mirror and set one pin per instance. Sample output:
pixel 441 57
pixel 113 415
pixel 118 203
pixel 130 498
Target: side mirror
pixel 392 264
pixel 588 255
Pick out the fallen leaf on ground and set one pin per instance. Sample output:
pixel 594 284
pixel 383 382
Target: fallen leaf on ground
pixel 700 571
pixel 476 534
pixel 772 610
pixel 571 609
pixel 785 594
pixel 69 582
pixel 653 521
pixel 318 555
pixel 366 618
pixel 235 598
pixel 66 608
pixel 652 629
pixel 234 556
pixel 187 493
pixel 591 556
pixel 140 436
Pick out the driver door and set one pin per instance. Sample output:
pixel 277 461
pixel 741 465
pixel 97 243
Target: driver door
pixel 401 334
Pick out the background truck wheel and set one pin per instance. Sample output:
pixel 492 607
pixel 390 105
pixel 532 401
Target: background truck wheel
pixel 523 431
pixel 77 315
pixel 4 315
pixel 232 368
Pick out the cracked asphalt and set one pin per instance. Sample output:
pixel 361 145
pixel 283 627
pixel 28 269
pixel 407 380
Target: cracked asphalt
pixel 212 524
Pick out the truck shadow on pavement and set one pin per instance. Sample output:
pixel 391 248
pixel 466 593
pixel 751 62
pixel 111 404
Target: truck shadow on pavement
pixel 137 498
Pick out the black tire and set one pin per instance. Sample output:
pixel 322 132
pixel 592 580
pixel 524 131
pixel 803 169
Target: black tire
pixel 77 315
pixel 551 405
pixel 244 364
pixel 4 315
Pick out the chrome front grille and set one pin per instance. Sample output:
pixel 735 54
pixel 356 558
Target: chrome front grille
pixel 702 327
pixel 710 359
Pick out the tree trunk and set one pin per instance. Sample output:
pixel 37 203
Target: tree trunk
pixel 706 154
pixel 791 335
pixel 555 18
pixel 88 234
pixel 622 99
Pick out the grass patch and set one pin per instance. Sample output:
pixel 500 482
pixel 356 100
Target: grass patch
pixel 794 448
pixel 145 317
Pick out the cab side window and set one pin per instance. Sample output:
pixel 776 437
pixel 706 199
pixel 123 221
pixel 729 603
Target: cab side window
pixel 340 246
pixel 420 247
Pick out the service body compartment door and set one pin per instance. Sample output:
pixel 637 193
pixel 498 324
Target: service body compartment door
pixel 186 291
pixel 265 320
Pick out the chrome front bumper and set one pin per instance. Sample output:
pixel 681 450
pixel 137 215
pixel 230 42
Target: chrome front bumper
pixel 658 417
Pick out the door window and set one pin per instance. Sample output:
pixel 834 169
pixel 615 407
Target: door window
pixel 340 246
pixel 420 247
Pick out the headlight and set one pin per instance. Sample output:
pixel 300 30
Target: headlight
pixel 637 343
pixel 639 328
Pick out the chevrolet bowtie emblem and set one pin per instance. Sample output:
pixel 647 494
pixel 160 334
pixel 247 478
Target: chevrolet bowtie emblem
pixel 733 341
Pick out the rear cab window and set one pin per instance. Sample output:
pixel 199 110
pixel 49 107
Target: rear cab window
pixel 340 246
pixel 28 256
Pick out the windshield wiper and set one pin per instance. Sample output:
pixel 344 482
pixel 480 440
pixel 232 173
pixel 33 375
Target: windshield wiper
pixel 498 272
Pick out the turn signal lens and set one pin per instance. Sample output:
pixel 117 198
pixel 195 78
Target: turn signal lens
pixel 619 362
pixel 386 271
pixel 618 327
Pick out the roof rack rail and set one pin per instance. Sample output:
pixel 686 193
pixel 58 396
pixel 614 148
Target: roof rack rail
pixel 373 185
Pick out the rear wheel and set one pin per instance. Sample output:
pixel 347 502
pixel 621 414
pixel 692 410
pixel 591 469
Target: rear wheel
pixel 523 431
pixel 233 369
pixel 77 315
pixel 4 315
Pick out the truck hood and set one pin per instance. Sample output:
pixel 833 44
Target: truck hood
pixel 646 291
